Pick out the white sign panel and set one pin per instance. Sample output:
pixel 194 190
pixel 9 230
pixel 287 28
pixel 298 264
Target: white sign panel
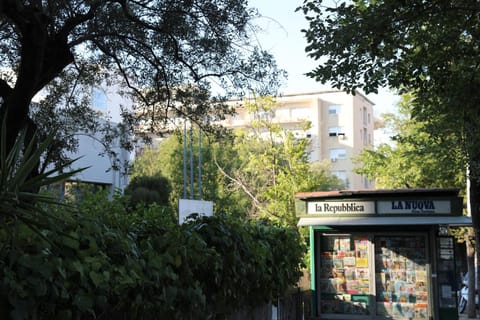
pixel 187 207
pixel 341 207
pixel 414 206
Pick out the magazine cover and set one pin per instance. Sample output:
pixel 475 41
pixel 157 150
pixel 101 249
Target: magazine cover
pixel 338 263
pixel 361 273
pixel 350 274
pixel 344 244
pixel 352 286
pixel 403 310
pixel 363 286
pixel 421 297
pixel 385 296
pixel 361 262
pixel 421 276
pixel 421 311
pixel 349 261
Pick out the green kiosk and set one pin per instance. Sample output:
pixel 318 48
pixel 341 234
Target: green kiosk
pixel 382 254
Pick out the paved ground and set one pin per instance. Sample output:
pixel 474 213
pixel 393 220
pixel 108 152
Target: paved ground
pixel 463 316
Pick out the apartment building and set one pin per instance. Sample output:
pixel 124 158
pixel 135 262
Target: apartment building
pixel 103 170
pixel 341 127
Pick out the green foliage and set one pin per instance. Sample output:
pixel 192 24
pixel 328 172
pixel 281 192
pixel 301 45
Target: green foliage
pixel 217 155
pixel 250 263
pixel 426 49
pixel 254 171
pixel 112 262
pixel 127 47
pixel 273 164
pixel 105 260
pixel 148 190
pixel 19 200
pixel 416 159
pixel 422 48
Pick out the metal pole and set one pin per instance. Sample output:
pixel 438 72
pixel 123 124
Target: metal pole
pixel 200 195
pixel 185 159
pixel 191 162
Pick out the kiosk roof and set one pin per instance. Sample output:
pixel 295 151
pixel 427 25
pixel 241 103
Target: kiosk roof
pixel 380 193
pixel 383 221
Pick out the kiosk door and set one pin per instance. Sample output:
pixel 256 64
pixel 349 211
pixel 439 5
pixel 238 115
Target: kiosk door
pixel 401 277
pixel 344 283
pixel 373 276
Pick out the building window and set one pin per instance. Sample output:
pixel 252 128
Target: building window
pixel 334 109
pixel 338 153
pixel 366 182
pixel 364 115
pixel 336 131
pixel 365 139
pixel 264 115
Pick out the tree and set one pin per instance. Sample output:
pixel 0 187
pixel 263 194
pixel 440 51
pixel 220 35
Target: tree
pixel 167 159
pixel 159 45
pixel 427 48
pixel 148 190
pixel 254 171
pixel 274 164
pixel 415 158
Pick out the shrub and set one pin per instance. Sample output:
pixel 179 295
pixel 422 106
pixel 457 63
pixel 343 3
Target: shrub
pixel 148 190
pixel 104 262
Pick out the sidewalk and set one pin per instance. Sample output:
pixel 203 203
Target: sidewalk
pixel 463 316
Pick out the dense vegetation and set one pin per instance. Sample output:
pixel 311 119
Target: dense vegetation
pixel 97 258
pixel 106 263
pixel 252 171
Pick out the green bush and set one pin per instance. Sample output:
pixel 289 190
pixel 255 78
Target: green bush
pixel 254 262
pixel 111 263
pixel 148 190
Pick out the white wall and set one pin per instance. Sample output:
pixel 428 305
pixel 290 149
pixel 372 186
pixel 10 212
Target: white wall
pixel 99 165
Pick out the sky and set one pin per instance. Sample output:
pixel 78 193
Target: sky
pixel 282 37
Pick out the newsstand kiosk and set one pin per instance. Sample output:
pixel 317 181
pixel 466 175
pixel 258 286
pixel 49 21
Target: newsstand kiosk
pixel 382 254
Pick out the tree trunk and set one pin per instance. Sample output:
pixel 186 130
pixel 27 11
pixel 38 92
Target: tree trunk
pixel 474 190
pixel 471 312
pixel 43 55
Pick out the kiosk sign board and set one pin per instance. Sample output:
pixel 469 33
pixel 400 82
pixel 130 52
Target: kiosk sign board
pixel 418 206
pixel 341 207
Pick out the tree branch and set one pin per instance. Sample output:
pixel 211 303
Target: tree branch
pixel 237 182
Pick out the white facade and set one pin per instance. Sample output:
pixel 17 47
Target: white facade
pixel 342 126
pixel 100 165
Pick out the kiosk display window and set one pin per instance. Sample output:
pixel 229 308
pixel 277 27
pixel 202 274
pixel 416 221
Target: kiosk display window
pixel 384 277
pixel 344 281
pixel 401 277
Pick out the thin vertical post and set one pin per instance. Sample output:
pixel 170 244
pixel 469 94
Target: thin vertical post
pixel 185 159
pixel 191 162
pixel 200 194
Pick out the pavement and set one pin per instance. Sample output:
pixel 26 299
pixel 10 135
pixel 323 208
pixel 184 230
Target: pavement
pixel 463 316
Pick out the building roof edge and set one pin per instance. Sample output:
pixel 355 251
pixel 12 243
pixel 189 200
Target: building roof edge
pixel 312 93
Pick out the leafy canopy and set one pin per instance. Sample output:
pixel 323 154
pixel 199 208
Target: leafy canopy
pixel 415 158
pixel 254 171
pixel 369 44
pixel 161 53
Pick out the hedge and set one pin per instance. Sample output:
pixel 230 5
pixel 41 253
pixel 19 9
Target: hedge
pixel 102 261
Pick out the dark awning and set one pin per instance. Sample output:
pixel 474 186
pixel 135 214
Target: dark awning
pixel 383 221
